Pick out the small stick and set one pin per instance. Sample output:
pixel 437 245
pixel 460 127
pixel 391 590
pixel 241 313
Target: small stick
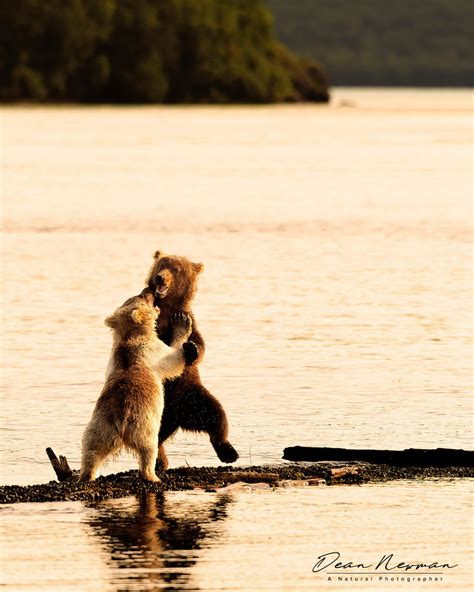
pixel 250 477
pixel 61 466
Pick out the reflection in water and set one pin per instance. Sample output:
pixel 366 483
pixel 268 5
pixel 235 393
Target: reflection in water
pixel 264 541
pixel 153 541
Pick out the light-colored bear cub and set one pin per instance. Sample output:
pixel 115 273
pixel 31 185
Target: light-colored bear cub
pixel 128 411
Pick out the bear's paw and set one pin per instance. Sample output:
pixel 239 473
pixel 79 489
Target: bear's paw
pixel 191 352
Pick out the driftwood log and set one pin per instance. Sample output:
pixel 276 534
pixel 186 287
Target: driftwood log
pixel 411 457
pixel 60 465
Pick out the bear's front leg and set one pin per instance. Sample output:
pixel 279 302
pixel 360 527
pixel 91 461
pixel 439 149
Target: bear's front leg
pixel 182 329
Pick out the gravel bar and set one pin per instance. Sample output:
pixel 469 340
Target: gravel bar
pixel 213 479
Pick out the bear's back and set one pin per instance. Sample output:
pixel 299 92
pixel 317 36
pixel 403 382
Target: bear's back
pixel 130 392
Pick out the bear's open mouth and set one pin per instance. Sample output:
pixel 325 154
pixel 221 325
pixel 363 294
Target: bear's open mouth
pixel 161 291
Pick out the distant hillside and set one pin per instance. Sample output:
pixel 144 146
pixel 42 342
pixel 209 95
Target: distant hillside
pixel 149 51
pixel 382 42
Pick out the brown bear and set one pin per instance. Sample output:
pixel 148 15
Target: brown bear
pixel 128 411
pixel 188 404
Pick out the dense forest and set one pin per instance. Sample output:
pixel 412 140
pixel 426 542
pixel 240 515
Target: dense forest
pixel 383 43
pixel 149 51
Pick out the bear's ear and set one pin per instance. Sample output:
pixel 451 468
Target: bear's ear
pixel 138 316
pixel 111 321
pixel 157 254
pixel 198 267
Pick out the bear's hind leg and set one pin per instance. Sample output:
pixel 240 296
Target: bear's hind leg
pixel 97 445
pixel 142 438
pixel 202 412
pixel 162 462
pixel 146 461
pixel 89 466
pixel 224 450
pixel 168 427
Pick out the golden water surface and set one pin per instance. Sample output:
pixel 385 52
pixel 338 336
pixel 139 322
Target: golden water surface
pixel 335 304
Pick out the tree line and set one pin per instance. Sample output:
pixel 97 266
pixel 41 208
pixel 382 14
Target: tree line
pixel 149 51
pixel 383 43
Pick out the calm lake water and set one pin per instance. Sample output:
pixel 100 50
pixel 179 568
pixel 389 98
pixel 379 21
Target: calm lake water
pixel 335 304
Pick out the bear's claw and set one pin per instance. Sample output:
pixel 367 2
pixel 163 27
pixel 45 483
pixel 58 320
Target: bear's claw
pixel 182 320
pixel 182 326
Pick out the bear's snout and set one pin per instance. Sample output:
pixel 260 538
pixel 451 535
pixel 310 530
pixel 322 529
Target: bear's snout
pixel 162 281
pixel 159 280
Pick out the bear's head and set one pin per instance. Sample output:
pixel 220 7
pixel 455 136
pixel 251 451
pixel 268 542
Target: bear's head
pixel 136 316
pixel 173 280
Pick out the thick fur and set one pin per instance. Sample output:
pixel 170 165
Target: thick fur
pixel 129 409
pixel 188 404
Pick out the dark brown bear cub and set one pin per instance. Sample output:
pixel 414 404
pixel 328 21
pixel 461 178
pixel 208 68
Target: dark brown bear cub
pixel 188 404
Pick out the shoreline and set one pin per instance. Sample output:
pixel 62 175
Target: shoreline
pixel 215 479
